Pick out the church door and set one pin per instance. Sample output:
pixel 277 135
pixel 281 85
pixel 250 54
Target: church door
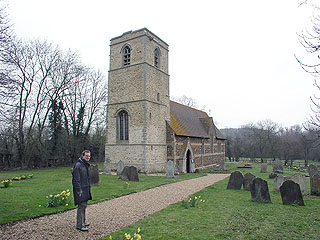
pixel 188 161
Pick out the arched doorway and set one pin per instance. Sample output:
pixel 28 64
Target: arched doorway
pixel 188 161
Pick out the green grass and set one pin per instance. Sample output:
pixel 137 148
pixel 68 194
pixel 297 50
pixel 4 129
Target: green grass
pixel 230 214
pixel 21 199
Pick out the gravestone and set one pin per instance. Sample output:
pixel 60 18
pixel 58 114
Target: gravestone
pixel 222 166
pixel 120 167
pixel 260 191
pixel 301 180
pixel 291 193
pixel 277 166
pixel 235 180
pixel 315 184
pixel 272 175
pixel 94 174
pixel 247 180
pixel 106 167
pixel 312 170
pixel 130 174
pixel 264 167
pixel 278 181
pixel 170 169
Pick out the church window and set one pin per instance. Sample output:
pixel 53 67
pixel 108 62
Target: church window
pixel 219 147
pixel 126 56
pixel 158 97
pixel 157 57
pixel 123 126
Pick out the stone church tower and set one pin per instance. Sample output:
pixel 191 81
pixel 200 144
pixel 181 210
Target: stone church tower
pixel 138 102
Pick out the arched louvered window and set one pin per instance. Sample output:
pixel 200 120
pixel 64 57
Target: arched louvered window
pixel 123 125
pixel 157 57
pixel 126 56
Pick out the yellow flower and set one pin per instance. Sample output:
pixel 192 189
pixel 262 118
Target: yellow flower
pixel 63 198
pixel 67 205
pixel 69 191
pixel 127 236
pixel 39 206
pixel 110 237
pixel 195 198
pixel 139 230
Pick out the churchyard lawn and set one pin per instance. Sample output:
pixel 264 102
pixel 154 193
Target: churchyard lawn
pixel 230 214
pixel 28 198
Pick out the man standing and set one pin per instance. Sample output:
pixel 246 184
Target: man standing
pixel 81 189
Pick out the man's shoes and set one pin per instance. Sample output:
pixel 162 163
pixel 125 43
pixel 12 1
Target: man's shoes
pixel 83 229
pixel 87 224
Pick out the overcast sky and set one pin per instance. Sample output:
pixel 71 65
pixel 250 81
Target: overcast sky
pixel 234 57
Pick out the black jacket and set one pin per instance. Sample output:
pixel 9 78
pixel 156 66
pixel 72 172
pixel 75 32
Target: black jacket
pixel 81 182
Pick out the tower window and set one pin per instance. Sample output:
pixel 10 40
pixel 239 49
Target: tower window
pixel 126 56
pixel 123 126
pixel 158 97
pixel 157 57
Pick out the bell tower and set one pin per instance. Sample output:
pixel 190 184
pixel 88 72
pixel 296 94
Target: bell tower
pixel 138 101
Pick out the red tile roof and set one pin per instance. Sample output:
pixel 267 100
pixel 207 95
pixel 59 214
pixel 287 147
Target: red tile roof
pixel 191 122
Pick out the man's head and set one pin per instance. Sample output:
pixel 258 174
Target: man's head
pixel 86 155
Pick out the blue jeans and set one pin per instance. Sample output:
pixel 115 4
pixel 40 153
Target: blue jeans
pixel 81 214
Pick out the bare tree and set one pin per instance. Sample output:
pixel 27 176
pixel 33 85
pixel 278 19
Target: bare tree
pixel 185 100
pixel 310 40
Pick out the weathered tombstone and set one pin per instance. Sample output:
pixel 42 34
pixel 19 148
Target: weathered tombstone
pixel 272 175
pixel 106 169
pixel 170 169
pixel 222 166
pixel 94 174
pixel 130 174
pixel 235 180
pixel 291 193
pixel 120 167
pixel 260 191
pixel 301 180
pixel 278 181
pixel 247 180
pixel 312 170
pixel 315 184
pixel 264 167
pixel 277 166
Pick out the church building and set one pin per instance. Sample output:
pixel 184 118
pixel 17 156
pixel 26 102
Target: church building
pixel 144 128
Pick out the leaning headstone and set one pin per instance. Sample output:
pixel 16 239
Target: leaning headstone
pixel 264 167
pixel 277 166
pixel 170 169
pixel 312 170
pixel 120 167
pixel 291 193
pixel 130 174
pixel 301 180
pixel 94 174
pixel 278 181
pixel 260 191
pixel 272 175
pixel 235 180
pixel 315 184
pixel 222 166
pixel 247 181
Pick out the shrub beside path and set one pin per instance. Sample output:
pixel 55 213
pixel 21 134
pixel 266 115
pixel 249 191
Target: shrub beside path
pixel 108 216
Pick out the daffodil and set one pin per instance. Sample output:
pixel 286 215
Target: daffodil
pixel 67 205
pixel 195 198
pixel 139 230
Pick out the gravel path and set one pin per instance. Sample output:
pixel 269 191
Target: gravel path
pixel 108 216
